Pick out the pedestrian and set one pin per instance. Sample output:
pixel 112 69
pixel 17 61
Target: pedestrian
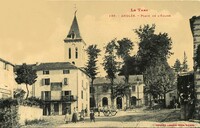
pixel 74 116
pixel 92 117
pixel 67 116
pixel 99 110
pixel 86 111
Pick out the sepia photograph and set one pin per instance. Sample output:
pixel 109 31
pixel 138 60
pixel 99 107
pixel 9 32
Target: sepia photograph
pixel 80 63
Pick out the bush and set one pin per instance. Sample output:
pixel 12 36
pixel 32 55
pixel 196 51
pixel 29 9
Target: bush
pixel 33 101
pixel 8 114
pixel 36 121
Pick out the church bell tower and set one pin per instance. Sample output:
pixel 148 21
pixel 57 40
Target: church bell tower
pixel 75 45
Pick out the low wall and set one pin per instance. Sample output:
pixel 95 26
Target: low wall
pixel 29 113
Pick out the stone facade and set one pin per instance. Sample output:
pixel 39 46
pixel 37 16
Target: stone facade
pixel 195 28
pixel 7 83
pixel 61 85
pixel 103 92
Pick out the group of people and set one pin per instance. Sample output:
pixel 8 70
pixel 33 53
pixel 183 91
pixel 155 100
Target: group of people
pixel 74 117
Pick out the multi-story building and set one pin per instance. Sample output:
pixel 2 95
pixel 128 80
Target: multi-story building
pixel 134 98
pixel 195 28
pixel 61 85
pixel 7 81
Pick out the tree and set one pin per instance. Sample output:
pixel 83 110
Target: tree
pixel 124 48
pixel 185 65
pixel 177 66
pixel 110 64
pixel 197 58
pixel 91 67
pixel 159 80
pixel 154 50
pixel 152 47
pixel 25 75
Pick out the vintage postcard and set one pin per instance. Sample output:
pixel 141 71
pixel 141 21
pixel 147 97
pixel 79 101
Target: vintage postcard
pixel 69 63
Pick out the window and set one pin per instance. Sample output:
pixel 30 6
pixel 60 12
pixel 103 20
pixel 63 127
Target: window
pixel 81 94
pixel 66 71
pixel 46 72
pixel 133 88
pixel 76 53
pixel 46 95
pixel 46 81
pixel 66 93
pixel 65 81
pixel 69 53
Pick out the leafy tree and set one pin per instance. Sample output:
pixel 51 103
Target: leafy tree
pixel 197 58
pixel 25 75
pixel 91 67
pixel 154 50
pixel 124 48
pixel 152 47
pixel 110 64
pixel 177 66
pixel 159 80
pixel 185 65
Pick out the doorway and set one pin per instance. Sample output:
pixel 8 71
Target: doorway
pixel 119 102
pixel 133 100
pixel 105 101
pixel 65 107
pixel 56 108
pixel 47 109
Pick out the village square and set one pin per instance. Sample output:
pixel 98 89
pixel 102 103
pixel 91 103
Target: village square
pixel 108 85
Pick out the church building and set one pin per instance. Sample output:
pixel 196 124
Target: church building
pixel 75 45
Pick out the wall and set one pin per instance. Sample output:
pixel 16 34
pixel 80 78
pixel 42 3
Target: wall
pixel 80 61
pixel 7 83
pixel 29 113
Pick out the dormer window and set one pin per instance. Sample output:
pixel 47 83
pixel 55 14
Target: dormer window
pixel 73 35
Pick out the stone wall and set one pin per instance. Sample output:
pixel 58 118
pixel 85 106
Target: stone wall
pixel 29 113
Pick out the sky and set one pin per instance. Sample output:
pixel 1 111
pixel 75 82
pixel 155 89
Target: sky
pixel 33 30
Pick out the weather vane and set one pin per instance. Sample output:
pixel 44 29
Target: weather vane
pixel 75 9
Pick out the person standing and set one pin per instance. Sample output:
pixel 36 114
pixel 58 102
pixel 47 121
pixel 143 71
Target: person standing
pixel 99 110
pixel 74 116
pixel 86 111
pixel 92 117
pixel 67 116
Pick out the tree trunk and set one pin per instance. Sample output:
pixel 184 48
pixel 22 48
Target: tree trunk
pixel 112 97
pixel 93 91
pixel 164 100
pixel 27 91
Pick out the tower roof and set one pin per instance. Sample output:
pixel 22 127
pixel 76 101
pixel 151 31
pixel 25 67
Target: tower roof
pixel 74 33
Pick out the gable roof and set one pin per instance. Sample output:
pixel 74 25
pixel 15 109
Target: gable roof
pixel 118 80
pixel 54 66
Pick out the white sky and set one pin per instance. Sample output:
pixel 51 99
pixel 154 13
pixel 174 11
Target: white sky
pixel 33 30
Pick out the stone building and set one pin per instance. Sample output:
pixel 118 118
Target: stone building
pixel 195 28
pixel 75 46
pixel 103 92
pixel 61 85
pixel 7 82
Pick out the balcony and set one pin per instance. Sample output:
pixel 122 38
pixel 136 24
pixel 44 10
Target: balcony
pixel 70 98
pixel 46 98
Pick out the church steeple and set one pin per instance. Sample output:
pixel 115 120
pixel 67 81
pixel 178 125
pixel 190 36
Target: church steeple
pixel 74 33
pixel 74 45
